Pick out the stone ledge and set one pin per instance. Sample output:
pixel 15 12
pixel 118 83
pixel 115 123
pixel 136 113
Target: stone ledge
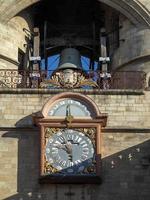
pixel 83 91
pixel 6 58
pixel 105 130
pixel 126 130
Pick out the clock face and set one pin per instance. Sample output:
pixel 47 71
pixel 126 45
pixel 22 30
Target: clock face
pixel 77 108
pixel 69 151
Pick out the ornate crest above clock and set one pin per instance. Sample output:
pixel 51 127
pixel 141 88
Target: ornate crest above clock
pixel 70 135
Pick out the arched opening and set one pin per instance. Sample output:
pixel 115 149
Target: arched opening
pixel 136 11
pixel 83 25
pixel 91 27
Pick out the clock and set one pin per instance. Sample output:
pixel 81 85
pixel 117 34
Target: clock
pixel 70 140
pixel 78 108
pixel 70 151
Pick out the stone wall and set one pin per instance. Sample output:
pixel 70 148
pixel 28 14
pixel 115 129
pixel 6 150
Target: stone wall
pixel 8 166
pixel 13 39
pixel 123 110
pixel 125 141
pixel 125 150
pixel 133 53
pixel 124 174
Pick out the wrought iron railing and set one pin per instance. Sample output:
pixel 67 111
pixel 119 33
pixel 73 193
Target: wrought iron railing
pixel 90 79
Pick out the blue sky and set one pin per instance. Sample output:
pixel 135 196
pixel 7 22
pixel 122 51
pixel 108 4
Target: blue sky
pixel 53 62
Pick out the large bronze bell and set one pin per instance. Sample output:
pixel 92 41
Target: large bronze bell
pixel 70 59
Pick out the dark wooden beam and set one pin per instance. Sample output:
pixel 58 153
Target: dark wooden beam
pixel 36 48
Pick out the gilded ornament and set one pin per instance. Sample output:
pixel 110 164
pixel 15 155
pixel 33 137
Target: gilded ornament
pixel 49 132
pixel 50 169
pixel 58 80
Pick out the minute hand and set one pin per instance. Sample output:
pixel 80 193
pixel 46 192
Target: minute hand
pixel 68 148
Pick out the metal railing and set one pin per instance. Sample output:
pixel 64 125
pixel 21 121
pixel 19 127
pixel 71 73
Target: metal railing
pixel 10 78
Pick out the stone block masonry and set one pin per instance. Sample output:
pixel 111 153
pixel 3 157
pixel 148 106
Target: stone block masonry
pixel 123 110
pixel 124 149
pixel 124 171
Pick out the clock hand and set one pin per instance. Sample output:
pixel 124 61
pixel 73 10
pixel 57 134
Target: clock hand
pixel 69 147
pixel 68 112
pixel 69 117
pixel 59 146
pixel 66 147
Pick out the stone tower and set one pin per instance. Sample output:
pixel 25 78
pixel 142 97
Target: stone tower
pixel 115 37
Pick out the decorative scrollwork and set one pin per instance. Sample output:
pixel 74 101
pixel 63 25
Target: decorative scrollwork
pixel 49 132
pixel 89 132
pixel 10 78
pixel 14 78
pixel 49 168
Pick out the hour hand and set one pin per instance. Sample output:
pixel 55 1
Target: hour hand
pixel 65 146
pixel 69 147
pixel 69 150
pixel 59 146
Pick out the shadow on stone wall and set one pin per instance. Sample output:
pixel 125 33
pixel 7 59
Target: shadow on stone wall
pixel 125 175
pixel 25 122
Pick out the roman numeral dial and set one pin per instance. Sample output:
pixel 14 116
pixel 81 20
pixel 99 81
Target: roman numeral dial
pixel 69 151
